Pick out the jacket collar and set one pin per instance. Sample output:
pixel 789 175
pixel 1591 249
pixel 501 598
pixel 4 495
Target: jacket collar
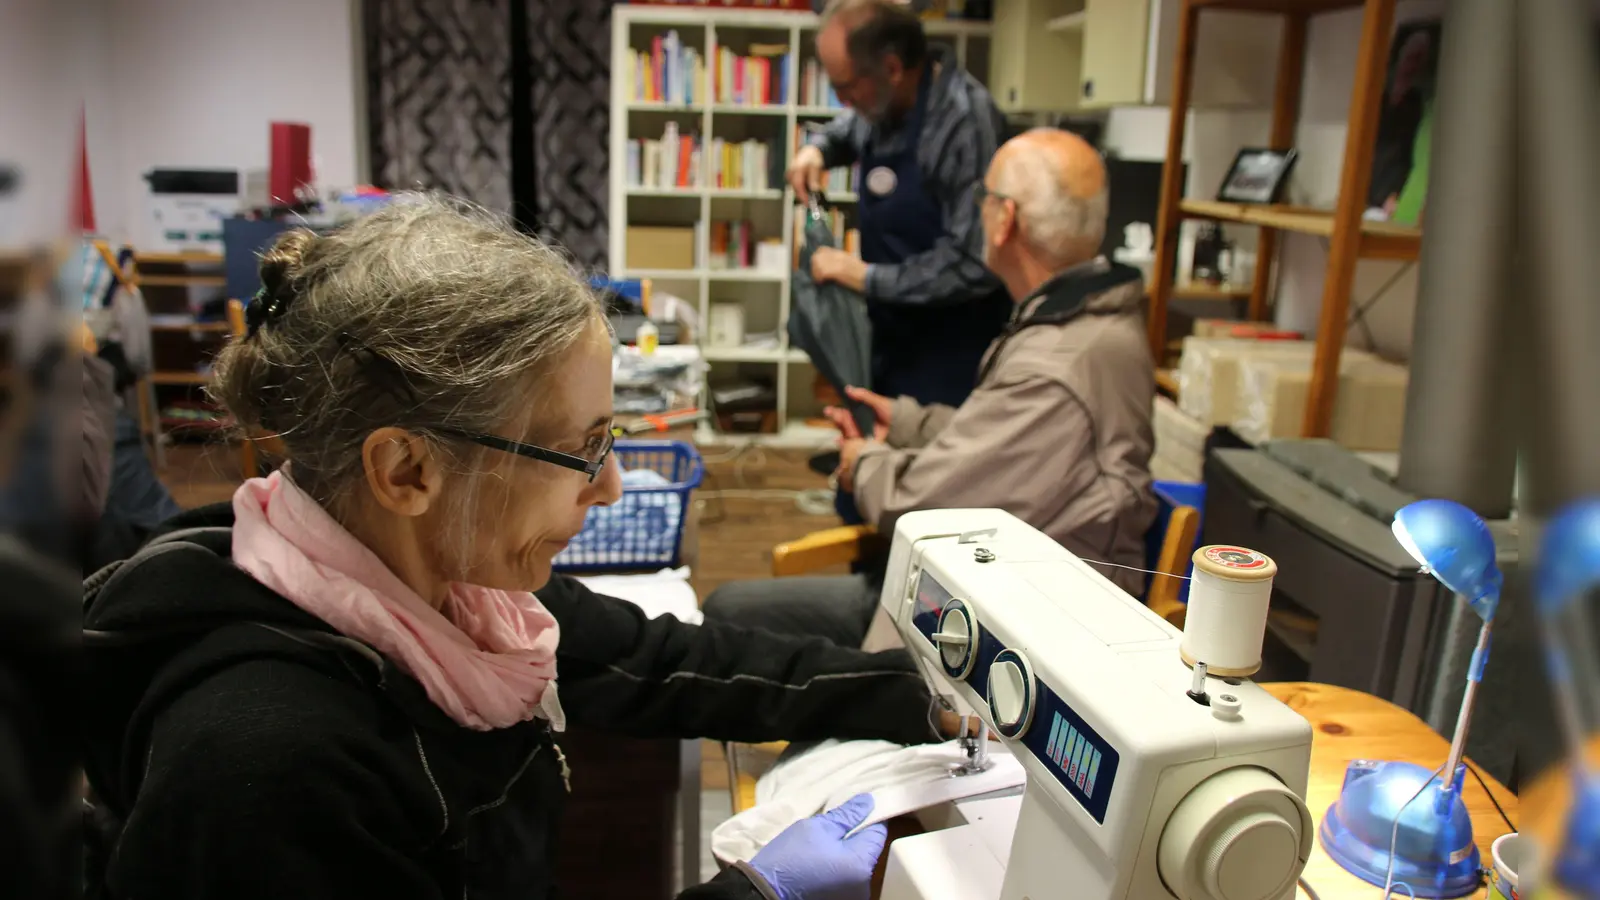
pixel 1070 291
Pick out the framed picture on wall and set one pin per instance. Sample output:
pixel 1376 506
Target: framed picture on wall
pixel 1256 176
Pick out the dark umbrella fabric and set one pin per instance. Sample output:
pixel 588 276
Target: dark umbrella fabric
pixel 829 322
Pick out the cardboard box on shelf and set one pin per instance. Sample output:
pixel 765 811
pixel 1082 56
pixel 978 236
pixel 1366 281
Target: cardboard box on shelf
pixel 1369 413
pixel 660 247
pixel 1208 371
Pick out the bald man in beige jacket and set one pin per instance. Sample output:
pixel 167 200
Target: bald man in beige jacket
pixel 1058 430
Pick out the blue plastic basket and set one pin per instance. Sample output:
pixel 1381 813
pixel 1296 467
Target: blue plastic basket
pixel 644 529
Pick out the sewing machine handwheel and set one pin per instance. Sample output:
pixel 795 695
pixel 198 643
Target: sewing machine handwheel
pixel 1011 693
pixel 1239 835
pixel 958 639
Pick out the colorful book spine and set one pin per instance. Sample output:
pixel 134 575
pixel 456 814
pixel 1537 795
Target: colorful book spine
pixel 667 72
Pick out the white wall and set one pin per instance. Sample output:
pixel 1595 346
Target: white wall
pixel 1214 136
pixel 44 51
pixel 194 83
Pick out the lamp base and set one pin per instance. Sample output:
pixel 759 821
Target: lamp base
pixel 1434 853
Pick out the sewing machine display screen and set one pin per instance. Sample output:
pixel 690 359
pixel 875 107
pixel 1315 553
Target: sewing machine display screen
pixel 1083 761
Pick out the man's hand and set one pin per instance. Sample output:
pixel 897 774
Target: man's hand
pixel 805 172
pixel 832 264
pixel 882 408
pixel 849 451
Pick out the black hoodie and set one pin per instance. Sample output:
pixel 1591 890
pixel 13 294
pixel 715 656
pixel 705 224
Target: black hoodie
pixel 249 751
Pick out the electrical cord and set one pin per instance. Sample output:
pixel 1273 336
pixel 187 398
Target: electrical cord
pixel 1389 884
pixel 1485 785
pixel 1306 886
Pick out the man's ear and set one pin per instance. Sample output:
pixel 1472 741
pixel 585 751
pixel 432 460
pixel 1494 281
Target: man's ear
pixel 402 473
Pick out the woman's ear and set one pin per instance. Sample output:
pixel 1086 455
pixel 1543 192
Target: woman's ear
pixel 402 472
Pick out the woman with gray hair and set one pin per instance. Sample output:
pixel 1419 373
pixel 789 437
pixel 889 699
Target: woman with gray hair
pixel 345 683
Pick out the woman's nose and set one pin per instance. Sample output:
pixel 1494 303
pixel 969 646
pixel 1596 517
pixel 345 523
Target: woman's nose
pixel 608 487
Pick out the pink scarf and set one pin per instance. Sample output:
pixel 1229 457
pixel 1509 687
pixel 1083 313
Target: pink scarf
pixel 487 657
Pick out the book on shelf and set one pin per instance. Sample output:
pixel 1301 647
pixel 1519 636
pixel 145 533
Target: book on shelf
pixel 749 165
pixel 759 79
pixel 815 89
pixel 732 246
pixel 673 161
pixel 667 72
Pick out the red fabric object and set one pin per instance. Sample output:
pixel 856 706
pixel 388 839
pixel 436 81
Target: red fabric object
pixel 291 162
pixel 83 203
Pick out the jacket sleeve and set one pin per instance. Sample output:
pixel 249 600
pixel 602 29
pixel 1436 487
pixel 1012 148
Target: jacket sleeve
pixel 836 141
pixel 621 671
pixel 912 425
pixel 738 882
pixel 253 810
pixel 1005 441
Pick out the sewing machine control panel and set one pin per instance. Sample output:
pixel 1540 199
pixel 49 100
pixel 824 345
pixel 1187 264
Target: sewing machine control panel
pixel 1022 708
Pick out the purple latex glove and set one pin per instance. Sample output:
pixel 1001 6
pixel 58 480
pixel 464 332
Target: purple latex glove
pixel 812 859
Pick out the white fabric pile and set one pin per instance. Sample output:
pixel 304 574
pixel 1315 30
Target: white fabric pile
pixel 834 771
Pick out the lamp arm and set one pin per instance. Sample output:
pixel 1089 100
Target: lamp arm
pixel 1458 743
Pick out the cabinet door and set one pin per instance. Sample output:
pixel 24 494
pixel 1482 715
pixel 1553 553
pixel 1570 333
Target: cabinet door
pixel 1116 39
pixel 1032 67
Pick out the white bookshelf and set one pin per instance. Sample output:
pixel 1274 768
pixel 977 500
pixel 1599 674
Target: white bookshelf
pixel 764 296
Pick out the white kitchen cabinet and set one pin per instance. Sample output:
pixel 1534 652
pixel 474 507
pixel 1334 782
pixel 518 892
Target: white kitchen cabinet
pixel 1034 56
pixel 1129 47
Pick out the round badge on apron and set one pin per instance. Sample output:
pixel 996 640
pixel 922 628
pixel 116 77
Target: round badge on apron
pixel 881 181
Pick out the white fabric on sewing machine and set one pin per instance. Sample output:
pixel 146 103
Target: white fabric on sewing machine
pixel 834 771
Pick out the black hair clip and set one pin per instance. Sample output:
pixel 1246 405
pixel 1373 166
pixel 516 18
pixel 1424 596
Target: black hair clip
pixel 263 308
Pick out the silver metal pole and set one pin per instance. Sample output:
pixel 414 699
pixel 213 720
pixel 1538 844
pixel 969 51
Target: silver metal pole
pixel 1456 444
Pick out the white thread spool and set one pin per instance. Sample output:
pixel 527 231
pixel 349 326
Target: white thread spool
pixel 1226 621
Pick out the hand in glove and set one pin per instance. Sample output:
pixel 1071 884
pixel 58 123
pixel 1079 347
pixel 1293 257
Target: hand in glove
pixel 813 860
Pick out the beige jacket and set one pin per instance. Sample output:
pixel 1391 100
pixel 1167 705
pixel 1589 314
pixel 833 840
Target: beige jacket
pixel 1057 432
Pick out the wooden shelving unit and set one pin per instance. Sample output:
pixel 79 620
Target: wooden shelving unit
pixel 159 277
pixel 1350 237
pixel 763 294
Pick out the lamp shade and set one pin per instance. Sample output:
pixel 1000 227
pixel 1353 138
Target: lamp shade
pixel 1569 556
pixel 1453 543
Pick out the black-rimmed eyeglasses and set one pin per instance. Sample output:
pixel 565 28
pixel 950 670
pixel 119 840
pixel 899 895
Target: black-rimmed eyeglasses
pixel 981 192
pixel 590 467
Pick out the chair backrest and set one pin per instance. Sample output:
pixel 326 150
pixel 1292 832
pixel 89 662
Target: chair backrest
pixel 1169 544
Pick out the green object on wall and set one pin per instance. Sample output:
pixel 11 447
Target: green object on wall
pixel 1408 208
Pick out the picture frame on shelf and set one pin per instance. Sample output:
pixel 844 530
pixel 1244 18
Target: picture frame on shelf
pixel 1257 176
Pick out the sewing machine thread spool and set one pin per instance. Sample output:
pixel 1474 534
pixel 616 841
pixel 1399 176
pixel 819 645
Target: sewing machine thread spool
pixel 1226 621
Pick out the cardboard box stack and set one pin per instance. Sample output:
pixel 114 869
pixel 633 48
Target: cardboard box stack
pixel 1260 388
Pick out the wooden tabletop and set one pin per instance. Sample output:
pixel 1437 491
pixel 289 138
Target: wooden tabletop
pixel 1346 725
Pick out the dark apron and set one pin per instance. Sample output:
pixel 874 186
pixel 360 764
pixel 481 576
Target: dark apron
pixel 930 354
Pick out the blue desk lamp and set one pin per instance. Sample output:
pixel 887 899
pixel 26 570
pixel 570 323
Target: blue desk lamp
pixel 1569 570
pixel 1397 824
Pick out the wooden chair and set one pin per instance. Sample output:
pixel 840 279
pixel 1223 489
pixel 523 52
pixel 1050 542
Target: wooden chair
pixel 849 543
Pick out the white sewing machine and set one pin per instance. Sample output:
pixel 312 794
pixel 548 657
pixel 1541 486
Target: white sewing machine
pixel 1135 788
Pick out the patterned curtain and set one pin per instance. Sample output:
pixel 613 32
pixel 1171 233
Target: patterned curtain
pixel 439 96
pixel 570 100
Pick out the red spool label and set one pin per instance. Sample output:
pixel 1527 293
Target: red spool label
pixel 1236 558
